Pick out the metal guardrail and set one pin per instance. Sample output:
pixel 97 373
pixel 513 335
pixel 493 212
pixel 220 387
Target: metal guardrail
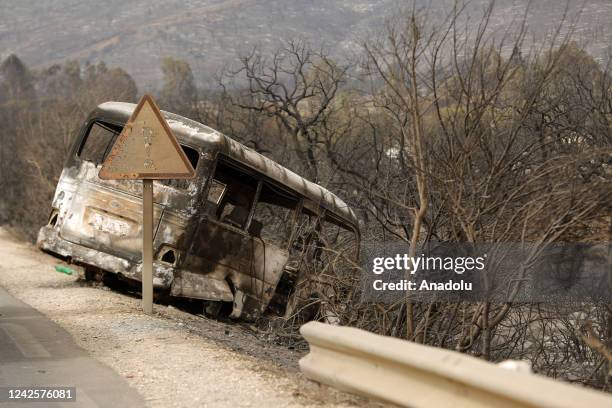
pixel 413 375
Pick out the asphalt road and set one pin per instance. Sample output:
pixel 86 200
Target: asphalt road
pixel 34 351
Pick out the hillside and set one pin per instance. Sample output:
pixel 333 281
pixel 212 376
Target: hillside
pixel 210 33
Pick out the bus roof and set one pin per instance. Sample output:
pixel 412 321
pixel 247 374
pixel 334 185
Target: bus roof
pixel 197 134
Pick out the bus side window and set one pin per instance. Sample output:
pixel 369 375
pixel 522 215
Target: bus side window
pixel 231 195
pixel 98 141
pixel 274 214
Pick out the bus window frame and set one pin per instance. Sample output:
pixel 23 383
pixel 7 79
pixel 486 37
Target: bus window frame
pixel 302 203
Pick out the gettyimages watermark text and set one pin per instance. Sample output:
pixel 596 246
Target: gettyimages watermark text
pixel 495 272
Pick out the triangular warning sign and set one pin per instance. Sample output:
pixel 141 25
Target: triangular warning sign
pixel 146 148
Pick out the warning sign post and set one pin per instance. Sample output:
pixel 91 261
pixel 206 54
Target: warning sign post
pixel 146 150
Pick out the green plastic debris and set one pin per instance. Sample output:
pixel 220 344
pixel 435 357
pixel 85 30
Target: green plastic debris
pixel 64 269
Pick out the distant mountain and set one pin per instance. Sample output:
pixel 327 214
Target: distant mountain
pixel 210 33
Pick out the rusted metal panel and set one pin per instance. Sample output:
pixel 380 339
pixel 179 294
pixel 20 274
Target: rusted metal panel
pixel 50 241
pixel 198 286
pixel 225 253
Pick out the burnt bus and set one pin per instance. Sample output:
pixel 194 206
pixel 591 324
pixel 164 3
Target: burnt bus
pixel 246 232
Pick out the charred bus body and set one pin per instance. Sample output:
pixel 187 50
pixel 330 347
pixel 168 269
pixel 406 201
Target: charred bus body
pixel 245 231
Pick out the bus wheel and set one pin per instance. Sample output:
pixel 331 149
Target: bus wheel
pixel 212 308
pixel 94 275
